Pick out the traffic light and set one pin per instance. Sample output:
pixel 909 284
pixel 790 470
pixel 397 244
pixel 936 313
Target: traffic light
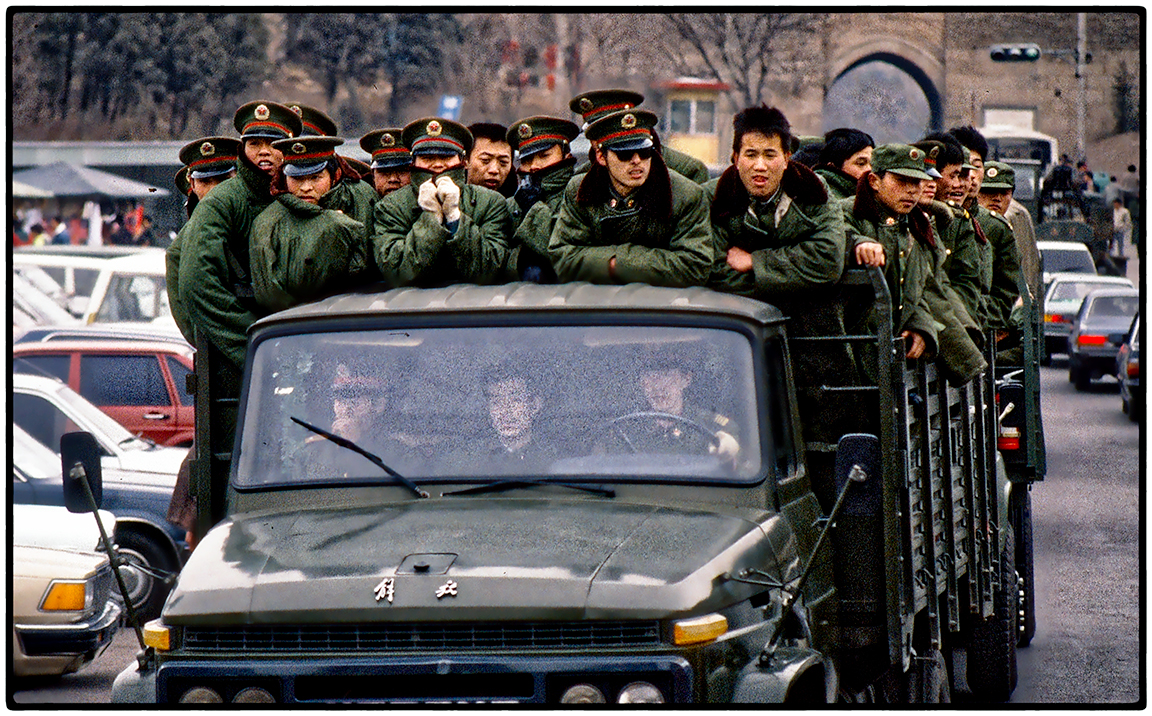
pixel 1026 52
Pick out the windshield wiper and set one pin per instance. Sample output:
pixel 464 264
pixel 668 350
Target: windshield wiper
pixel 346 443
pixel 503 485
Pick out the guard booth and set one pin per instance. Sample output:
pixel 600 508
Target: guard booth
pixel 690 120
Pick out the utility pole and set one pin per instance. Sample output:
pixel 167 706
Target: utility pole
pixel 563 92
pixel 1082 80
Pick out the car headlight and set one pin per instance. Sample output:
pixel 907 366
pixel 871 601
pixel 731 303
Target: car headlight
pixel 640 692
pixel 583 694
pixel 201 695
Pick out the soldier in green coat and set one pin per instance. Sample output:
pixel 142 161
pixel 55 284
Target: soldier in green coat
pixel 845 157
pixel 630 219
pixel 597 104
pixel 301 247
pixel 391 164
pixel 440 230
pixel 886 229
pixel 545 166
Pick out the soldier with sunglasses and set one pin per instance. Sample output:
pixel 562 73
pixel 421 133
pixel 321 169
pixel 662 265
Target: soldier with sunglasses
pixel 630 219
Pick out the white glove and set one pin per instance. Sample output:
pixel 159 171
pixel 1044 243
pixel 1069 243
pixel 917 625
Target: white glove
pixel 449 195
pixel 428 201
pixel 726 446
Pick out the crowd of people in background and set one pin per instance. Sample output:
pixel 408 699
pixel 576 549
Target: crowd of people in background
pixel 120 226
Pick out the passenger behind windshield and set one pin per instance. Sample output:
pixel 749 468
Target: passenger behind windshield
pixel 511 443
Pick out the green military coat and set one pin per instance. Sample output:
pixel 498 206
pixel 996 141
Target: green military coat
pixel 967 264
pixel 593 227
pixel 351 196
pixel 301 252
pixel 412 248
pixel 212 257
pixel 840 186
pixel 534 226
pixel 1004 267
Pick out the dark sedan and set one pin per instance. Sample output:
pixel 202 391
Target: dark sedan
pixel 1128 372
pixel 1098 332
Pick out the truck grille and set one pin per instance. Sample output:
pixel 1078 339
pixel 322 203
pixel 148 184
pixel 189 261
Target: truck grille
pixel 424 637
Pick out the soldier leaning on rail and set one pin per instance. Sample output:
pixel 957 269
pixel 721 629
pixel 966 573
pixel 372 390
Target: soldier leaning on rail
pixel 630 219
pixel 545 166
pixel 302 247
pixel 440 230
pixel 996 196
pixel 597 104
pixel 884 229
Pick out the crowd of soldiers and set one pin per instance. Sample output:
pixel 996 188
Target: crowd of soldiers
pixel 278 217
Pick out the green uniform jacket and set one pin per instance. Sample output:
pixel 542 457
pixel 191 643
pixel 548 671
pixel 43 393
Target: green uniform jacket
pixel 675 252
pixel 840 186
pixel 172 281
pixel 207 278
pixel 968 261
pixel 412 248
pixel 1025 232
pixel 1005 267
pixel 801 246
pixel 534 226
pixel 352 197
pixel 301 252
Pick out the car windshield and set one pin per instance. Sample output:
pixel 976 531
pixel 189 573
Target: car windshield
pixel 1114 307
pixel 579 402
pixel 1072 290
pixel 1056 260
pixel 134 297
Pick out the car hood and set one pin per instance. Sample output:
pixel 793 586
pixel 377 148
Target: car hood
pixel 56 527
pixel 163 461
pixel 518 558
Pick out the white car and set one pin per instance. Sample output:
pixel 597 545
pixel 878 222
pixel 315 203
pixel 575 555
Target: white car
pixel 1064 257
pixel 131 289
pixel 1066 291
pixel 74 269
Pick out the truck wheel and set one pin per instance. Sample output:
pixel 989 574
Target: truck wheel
pixel 1020 510
pixel 991 651
pixel 1134 409
pixel 143 560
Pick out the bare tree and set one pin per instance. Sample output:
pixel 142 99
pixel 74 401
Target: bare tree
pixel 747 51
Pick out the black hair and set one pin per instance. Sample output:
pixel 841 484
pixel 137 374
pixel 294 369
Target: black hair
pixel 511 368
pixel 655 197
pixel 808 155
pixel 766 120
pixel 952 152
pixel 488 130
pixel 841 143
pixel 971 138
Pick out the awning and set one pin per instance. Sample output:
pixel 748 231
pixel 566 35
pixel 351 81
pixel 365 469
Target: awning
pixel 66 180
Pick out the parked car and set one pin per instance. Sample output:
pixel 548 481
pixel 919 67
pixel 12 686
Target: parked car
pixel 140 384
pixel 1098 332
pixel 1064 257
pixel 139 477
pixel 31 307
pixel 131 289
pixel 63 609
pixel 1062 302
pixel 1128 372
pixel 102 332
pixel 54 526
pixel 76 269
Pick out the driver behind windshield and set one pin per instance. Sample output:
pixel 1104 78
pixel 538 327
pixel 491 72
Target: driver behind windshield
pixel 672 423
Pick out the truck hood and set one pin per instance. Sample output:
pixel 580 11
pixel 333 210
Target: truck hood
pixel 503 558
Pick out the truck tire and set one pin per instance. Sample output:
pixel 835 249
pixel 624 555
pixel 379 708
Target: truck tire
pixel 1020 512
pixel 991 650
pixel 142 557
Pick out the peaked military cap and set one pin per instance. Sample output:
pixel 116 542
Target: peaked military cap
pixel 361 168
pixel 902 159
pixel 932 149
pixel 535 134
pixel 387 149
pixel 181 181
pixel 998 175
pixel 630 129
pixel 600 103
pixel 433 135
pixel 313 121
pixel 306 155
pixel 266 119
pixel 210 156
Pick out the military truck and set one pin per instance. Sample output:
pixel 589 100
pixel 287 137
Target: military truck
pixel 661 543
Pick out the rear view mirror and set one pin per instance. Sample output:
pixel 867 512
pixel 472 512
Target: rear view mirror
pixel 80 462
pixel 858 460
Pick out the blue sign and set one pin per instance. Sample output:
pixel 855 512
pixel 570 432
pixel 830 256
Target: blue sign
pixel 450 107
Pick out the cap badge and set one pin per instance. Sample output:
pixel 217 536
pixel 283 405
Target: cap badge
pixel 296 108
pixel 207 149
pixel 387 140
pixel 525 131
pixel 585 105
pixel 262 112
pixel 628 121
pixel 992 172
pixel 933 154
pixel 434 129
pixel 915 154
pixel 299 148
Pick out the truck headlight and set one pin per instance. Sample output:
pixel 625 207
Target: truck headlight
pixel 201 695
pixel 253 695
pixel 583 694
pixel 640 692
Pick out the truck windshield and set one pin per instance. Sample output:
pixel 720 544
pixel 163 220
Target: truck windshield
pixel 600 403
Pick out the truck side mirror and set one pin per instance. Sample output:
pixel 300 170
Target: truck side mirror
pixel 858 460
pixel 80 462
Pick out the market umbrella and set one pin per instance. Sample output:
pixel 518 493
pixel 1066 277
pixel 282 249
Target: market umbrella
pixel 66 180
pixel 20 190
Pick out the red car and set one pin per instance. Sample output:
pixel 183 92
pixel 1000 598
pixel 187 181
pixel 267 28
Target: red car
pixel 140 384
